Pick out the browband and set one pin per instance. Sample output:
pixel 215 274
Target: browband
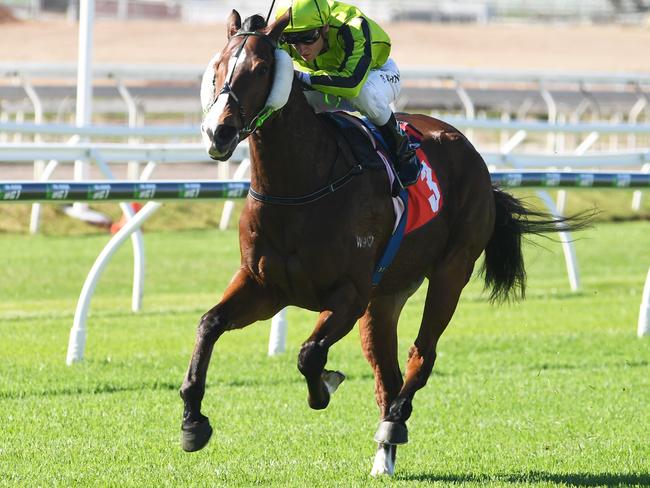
pixel 266 38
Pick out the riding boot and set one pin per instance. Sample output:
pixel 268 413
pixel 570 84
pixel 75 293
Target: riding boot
pixel 407 164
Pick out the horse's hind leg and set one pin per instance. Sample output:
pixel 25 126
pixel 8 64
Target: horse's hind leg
pixel 243 303
pixel 342 310
pixel 445 286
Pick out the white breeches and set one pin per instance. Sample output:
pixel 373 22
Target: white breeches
pixel 374 101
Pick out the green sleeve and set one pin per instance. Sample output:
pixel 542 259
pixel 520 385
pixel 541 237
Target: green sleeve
pixel 348 80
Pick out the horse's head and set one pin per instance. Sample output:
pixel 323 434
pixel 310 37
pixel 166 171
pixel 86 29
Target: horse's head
pixel 244 83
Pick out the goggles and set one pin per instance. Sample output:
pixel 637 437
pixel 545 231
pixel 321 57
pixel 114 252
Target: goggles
pixel 307 37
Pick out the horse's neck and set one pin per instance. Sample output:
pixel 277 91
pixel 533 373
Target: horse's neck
pixel 293 153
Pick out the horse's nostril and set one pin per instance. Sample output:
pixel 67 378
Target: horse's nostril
pixel 210 134
pixel 224 134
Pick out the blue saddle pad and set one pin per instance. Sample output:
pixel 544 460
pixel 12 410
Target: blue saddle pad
pixel 362 147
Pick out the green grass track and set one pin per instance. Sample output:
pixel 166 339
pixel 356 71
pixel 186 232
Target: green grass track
pixel 551 391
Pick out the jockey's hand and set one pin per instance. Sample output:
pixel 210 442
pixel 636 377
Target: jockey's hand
pixel 303 77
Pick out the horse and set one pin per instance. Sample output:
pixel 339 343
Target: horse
pixel 315 224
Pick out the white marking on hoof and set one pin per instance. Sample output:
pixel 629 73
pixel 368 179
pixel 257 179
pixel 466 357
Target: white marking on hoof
pixel 384 462
pixel 332 380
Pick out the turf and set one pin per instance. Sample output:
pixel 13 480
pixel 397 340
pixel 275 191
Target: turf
pixel 552 391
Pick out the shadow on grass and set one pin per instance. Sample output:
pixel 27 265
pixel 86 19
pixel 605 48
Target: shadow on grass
pixel 602 365
pixel 101 314
pixel 569 479
pixel 95 389
pixel 104 388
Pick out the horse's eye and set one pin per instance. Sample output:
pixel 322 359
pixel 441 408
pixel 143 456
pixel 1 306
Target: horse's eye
pixel 262 70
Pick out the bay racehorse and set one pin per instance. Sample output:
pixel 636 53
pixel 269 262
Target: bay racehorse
pixel 315 225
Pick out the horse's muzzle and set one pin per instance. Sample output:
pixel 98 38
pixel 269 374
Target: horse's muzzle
pixel 224 140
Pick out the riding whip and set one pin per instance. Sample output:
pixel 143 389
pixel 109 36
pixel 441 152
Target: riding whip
pixel 270 10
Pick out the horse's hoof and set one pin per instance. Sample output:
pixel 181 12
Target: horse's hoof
pixel 392 433
pixel 332 380
pixel 319 403
pixel 195 435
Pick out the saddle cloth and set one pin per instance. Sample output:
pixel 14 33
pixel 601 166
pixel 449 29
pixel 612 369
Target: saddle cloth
pixel 414 205
pixel 425 197
pixel 371 151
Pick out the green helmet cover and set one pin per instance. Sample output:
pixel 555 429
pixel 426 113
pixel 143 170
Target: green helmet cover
pixel 305 14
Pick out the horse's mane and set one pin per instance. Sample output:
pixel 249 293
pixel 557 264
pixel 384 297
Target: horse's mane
pixel 253 23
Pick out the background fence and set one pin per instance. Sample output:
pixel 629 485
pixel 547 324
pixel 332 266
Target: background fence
pixel 384 10
pixel 516 119
pixel 141 95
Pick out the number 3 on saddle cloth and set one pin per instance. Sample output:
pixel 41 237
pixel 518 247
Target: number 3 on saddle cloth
pixel 414 205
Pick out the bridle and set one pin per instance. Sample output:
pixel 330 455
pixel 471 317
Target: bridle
pixel 263 115
pixel 259 119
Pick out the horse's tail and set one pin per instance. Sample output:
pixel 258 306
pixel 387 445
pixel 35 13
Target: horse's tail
pixel 503 267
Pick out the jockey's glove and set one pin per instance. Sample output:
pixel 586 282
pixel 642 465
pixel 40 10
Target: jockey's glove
pixel 303 77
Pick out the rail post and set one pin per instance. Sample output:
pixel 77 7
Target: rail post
pixel 643 328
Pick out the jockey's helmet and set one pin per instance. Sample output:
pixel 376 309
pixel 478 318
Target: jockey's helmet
pixel 305 14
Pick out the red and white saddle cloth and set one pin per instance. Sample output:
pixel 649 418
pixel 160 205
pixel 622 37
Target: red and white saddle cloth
pixel 425 198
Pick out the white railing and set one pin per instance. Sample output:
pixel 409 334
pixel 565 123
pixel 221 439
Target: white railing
pixel 154 154
pixel 102 154
pixel 188 131
pixel 469 89
pixel 195 152
pixel 180 72
pixel 69 190
pixel 18 71
pixel 513 134
pixel 585 85
pixel 105 71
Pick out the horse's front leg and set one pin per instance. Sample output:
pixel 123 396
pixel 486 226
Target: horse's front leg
pixel 343 308
pixel 378 328
pixel 245 301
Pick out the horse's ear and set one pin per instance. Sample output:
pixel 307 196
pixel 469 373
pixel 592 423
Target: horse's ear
pixel 274 31
pixel 233 24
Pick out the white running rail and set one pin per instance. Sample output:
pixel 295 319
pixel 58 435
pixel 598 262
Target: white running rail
pixel 42 191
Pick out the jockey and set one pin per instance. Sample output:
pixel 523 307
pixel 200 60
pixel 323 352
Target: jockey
pixel 344 57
